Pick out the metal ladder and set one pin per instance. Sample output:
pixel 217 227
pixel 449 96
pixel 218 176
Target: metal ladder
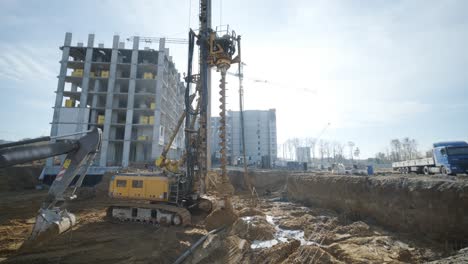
pixel 174 194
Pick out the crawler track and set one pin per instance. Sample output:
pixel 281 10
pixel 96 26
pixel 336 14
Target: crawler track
pixel 150 213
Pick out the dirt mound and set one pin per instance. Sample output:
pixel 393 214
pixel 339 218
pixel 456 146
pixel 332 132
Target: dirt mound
pixel 21 177
pixel 253 228
pixel 376 249
pixel 297 223
pixel 358 229
pixel 311 254
pixel 416 205
pixel 272 180
pixel 220 217
pixel 102 188
pixel 322 230
pixel 276 254
pixel 249 211
pixel 218 248
pixel 460 257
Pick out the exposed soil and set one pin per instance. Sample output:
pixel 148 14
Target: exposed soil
pixel 328 238
pixel 436 208
pixel 273 232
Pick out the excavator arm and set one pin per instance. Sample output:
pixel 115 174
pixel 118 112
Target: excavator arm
pixel 53 218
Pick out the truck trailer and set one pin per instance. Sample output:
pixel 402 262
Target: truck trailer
pixel 448 158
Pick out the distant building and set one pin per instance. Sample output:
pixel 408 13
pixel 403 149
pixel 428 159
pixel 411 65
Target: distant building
pixel 215 155
pixel 260 137
pixel 303 154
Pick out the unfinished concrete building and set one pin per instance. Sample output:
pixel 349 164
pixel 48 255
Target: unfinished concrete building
pixel 260 137
pixel 134 95
pixel 303 154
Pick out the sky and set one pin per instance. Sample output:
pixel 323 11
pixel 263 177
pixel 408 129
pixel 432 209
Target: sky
pixel 375 70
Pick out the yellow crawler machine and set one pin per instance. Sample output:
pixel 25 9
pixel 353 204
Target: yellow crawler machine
pixel 146 198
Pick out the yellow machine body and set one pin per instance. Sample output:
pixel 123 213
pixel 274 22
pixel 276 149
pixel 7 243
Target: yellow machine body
pixel 150 188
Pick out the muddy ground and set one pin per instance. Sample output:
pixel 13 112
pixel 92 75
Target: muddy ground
pixel 275 231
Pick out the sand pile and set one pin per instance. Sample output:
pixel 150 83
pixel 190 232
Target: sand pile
pixel 21 177
pixel 249 211
pixel 311 254
pixel 253 228
pixel 374 249
pixel 218 248
pixel 358 228
pixel 297 223
pixel 220 217
pixel 275 254
pixel 102 188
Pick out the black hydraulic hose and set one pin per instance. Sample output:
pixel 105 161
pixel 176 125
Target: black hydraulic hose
pixel 188 108
pixel 189 251
pixel 188 104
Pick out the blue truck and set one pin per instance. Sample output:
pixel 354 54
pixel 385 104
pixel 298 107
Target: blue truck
pixel 448 158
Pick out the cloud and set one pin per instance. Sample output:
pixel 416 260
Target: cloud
pixel 23 62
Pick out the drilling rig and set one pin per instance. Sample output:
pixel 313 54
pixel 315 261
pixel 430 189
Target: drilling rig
pixel 170 194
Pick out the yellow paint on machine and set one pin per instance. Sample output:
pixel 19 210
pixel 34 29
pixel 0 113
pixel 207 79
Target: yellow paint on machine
pixel 152 188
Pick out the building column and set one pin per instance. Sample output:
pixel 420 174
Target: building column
pixel 60 88
pixel 82 119
pixel 156 149
pixel 97 88
pixel 109 101
pixel 61 83
pixel 130 103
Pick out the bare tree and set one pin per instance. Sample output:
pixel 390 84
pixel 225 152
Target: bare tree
pixel 311 142
pixel 321 150
pixel 340 151
pixel 404 149
pixel 414 149
pixel 327 150
pixel 380 157
pixel 351 146
pixel 395 145
pixel 334 149
pixel 357 152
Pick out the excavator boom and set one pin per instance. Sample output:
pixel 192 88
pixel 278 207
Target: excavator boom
pixel 53 218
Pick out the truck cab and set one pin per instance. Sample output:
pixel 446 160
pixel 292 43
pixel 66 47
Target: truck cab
pixel 451 156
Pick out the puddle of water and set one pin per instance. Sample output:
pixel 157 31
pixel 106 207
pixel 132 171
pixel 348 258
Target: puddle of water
pixel 281 235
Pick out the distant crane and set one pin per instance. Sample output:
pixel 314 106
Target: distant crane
pixel 255 80
pixel 314 141
pixel 241 75
pixel 158 39
pixel 323 131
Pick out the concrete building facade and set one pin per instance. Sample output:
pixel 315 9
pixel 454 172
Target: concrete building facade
pixel 303 154
pixel 134 95
pixel 260 137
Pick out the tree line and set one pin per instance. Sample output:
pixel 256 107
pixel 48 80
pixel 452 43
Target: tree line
pixel 400 149
pixel 323 150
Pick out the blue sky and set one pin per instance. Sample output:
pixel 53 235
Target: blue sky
pixel 376 70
